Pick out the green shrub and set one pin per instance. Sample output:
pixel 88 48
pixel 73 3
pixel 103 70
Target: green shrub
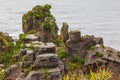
pixel 31 46
pixel 118 54
pixel 62 54
pixel 92 47
pixel 78 59
pixel 37 14
pixel 10 44
pixel 22 37
pixel 24 58
pixel 101 74
pixel 100 54
pixel 46 25
pixel 32 32
pixel 47 7
pixel 57 42
pixel 102 45
pixel 110 51
pixel 6 58
pixel 23 46
pixel 75 63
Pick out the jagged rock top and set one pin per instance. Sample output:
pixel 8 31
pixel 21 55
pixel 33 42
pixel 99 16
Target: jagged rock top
pixel 102 55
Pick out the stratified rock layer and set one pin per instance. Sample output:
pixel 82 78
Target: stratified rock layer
pixel 103 57
pixel 38 61
pixel 40 21
pixel 78 45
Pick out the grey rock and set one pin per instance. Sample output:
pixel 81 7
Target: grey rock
pixel 22 52
pixel 78 45
pixel 64 36
pixel 13 72
pixel 44 48
pixel 46 60
pixel 51 74
pixel 109 60
pixel 31 37
pixel 30 55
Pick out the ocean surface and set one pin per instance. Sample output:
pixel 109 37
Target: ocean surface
pixel 96 17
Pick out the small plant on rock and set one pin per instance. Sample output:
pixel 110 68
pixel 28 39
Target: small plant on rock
pixel 102 45
pixel 46 25
pixel 24 58
pixel 101 74
pixel 22 37
pixel 32 32
pixel 100 54
pixel 78 59
pixel 118 54
pixel 31 46
pixel 62 54
pixel 92 47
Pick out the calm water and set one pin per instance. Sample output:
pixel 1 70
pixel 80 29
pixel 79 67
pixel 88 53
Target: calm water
pixel 97 17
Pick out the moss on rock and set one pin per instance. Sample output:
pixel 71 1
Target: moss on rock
pixel 40 19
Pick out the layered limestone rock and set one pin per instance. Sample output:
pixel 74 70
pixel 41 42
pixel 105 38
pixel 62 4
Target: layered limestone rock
pixel 51 74
pixel 105 57
pixel 38 61
pixel 78 45
pixel 40 20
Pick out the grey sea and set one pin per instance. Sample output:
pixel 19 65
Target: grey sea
pixel 95 17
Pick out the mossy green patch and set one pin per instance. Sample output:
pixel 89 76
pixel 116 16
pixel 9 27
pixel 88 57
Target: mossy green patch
pixel 100 54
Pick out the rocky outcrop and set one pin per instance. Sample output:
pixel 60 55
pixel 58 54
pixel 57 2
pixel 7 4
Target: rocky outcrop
pixel 40 20
pixel 103 57
pixel 64 36
pixel 37 61
pixel 78 45
pixel 37 58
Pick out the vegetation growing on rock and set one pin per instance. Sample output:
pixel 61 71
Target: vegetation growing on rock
pixel 40 19
pixel 69 57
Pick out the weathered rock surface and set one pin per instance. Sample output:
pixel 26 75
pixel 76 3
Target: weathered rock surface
pixel 40 20
pixel 13 72
pixel 44 48
pixel 64 36
pixel 31 37
pixel 46 61
pixel 78 45
pixel 37 61
pixel 103 57
pixel 51 74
